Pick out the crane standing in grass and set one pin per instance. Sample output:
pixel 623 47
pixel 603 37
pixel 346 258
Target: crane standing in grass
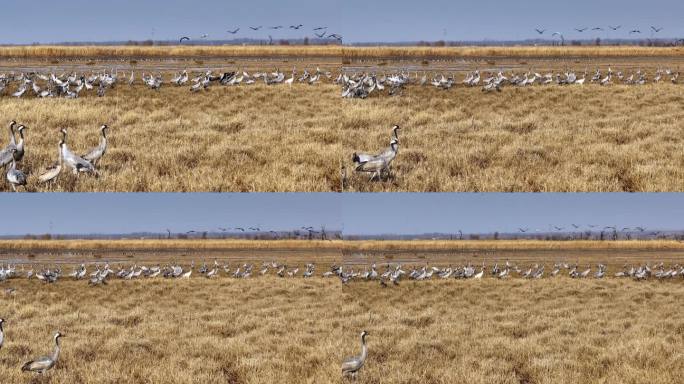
pixel 352 365
pixel 44 363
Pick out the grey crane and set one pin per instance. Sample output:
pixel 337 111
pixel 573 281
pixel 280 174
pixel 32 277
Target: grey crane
pixel 20 144
pixel 352 365
pixel 5 155
pixel 76 163
pixel 53 171
pixel 377 164
pixel 2 333
pixel 96 153
pixel 363 156
pixel 14 176
pixel 44 363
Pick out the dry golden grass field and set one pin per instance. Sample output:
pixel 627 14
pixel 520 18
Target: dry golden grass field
pixel 280 138
pixel 295 330
pixel 346 52
pixel 547 331
pixel 268 330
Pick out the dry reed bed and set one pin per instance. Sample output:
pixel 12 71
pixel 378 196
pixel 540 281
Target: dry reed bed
pixel 170 51
pixel 346 245
pixel 548 331
pixel 457 245
pixel 346 52
pixel 220 331
pixel 352 53
pixel 167 244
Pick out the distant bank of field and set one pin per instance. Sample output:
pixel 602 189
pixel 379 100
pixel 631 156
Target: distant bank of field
pixel 342 245
pixel 344 52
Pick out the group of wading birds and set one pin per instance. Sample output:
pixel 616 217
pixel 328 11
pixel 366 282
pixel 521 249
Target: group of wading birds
pixel 13 153
pixel 352 365
pixel 362 85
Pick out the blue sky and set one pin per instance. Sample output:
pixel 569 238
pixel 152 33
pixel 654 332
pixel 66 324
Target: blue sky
pixel 44 21
pixel 133 212
pixel 355 213
pixel 407 213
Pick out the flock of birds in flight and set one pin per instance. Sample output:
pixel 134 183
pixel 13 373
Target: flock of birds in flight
pixel 14 152
pixel 319 32
pixel 613 28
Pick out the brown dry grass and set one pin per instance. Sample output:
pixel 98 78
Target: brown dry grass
pixel 353 53
pixel 196 331
pixel 591 138
pixel 282 139
pixel 255 138
pixel 346 245
pixel 547 331
pixel 171 244
pixel 446 245
pixel 169 51
pixel 52 52
pixel 267 329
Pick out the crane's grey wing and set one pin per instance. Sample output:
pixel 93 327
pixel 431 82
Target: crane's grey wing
pixel 39 364
pixel 372 165
pixel 94 154
pixel 5 157
pixel 50 174
pixel 362 157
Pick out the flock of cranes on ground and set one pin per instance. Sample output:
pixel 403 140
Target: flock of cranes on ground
pixel 394 273
pixel 73 85
pixel 362 85
pixel 13 153
pixel 356 85
pixel 102 272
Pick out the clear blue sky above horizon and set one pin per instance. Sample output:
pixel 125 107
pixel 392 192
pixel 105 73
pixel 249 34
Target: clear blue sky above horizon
pixel 45 21
pixel 408 213
pixel 355 213
pixel 114 213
